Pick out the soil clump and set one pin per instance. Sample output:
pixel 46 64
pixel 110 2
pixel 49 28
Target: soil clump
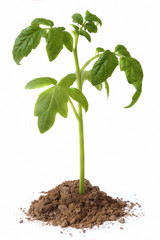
pixel 64 206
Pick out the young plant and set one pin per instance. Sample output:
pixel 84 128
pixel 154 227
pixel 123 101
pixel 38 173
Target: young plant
pixel 56 98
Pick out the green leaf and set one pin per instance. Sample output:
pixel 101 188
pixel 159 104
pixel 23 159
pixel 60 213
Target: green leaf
pixel 43 21
pixel 132 69
pixel 40 82
pixel 86 75
pixel 52 101
pixel 76 33
pixel 68 41
pixel 103 67
pixel 107 87
pixel 61 28
pixel 91 17
pixel 134 75
pixel 54 43
pixel 77 18
pixel 90 27
pixel 99 86
pixel 134 98
pixel 78 96
pixel 75 27
pixel 122 51
pixel 85 34
pixel 68 80
pixel 99 50
pixel 28 39
pixel 44 32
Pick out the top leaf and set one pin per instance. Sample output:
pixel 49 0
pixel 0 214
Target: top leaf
pixel 28 39
pixel 90 27
pixel 122 51
pixel 77 18
pixel 92 18
pixel 68 41
pixel 85 34
pixel 54 43
pixel 75 27
pixel 99 50
pixel 43 21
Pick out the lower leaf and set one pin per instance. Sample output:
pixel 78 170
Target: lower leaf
pixel 50 102
pixel 78 96
pixel 40 82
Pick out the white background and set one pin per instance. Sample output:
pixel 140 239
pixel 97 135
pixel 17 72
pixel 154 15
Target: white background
pixel 122 145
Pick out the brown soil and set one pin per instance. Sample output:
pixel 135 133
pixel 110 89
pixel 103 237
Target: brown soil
pixel 64 206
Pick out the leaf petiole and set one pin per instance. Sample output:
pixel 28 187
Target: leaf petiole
pixel 89 61
pixel 74 109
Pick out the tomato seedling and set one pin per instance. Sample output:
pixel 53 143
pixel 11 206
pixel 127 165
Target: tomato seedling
pixel 56 98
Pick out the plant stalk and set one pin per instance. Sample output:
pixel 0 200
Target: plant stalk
pixel 81 134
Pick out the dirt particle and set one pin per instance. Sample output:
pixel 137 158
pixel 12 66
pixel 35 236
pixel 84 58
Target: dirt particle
pixel 62 207
pixel 64 191
pixel 121 220
pixel 21 221
pixel 64 224
pixel 132 205
pixel 113 218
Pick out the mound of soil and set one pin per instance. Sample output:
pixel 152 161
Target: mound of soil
pixel 64 206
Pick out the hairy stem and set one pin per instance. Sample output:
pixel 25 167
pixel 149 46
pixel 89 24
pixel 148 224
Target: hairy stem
pixel 81 135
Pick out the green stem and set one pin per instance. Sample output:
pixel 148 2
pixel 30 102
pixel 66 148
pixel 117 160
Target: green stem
pixel 74 110
pixel 89 61
pixel 81 135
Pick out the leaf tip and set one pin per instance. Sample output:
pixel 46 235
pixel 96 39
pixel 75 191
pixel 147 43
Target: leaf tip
pixel 17 61
pixel 86 108
pixel 41 131
pixel 128 106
